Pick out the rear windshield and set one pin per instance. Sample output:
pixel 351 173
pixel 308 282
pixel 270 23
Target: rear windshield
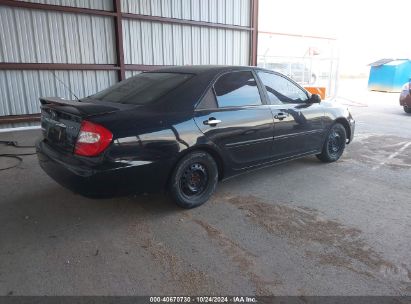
pixel 142 89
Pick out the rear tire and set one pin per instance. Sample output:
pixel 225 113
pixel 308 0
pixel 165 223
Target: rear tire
pixel 407 109
pixel 334 144
pixel 194 180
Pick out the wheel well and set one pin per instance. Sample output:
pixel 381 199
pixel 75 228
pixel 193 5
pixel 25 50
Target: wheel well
pixel 347 128
pixel 218 160
pixel 214 154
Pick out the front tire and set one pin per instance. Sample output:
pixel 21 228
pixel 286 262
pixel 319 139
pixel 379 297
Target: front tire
pixel 194 180
pixel 334 144
pixel 407 109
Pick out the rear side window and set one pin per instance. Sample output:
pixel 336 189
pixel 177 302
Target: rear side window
pixel 237 89
pixel 142 89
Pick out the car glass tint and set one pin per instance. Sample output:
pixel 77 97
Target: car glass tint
pixel 281 90
pixel 237 89
pixel 208 101
pixel 142 89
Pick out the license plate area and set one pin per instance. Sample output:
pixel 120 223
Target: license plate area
pixel 53 130
pixel 56 133
pixel 59 129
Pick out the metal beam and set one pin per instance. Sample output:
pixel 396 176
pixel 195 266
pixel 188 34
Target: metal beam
pixel 143 67
pixel 185 22
pixel 78 67
pixel 254 34
pixel 118 29
pixel 60 8
pixel 297 35
pixel 56 66
pixel 19 118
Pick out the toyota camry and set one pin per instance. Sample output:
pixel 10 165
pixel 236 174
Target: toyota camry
pixel 182 129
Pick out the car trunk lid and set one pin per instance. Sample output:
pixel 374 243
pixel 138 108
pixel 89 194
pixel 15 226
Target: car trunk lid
pixel 61 119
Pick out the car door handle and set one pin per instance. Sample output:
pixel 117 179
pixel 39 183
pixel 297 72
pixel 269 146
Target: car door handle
pixel 211 122
pixel 281 116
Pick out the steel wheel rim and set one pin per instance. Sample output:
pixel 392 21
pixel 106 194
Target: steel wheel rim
pixel 335 142
pixel 194 180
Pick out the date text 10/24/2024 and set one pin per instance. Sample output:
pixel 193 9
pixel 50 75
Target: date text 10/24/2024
pixel 203 299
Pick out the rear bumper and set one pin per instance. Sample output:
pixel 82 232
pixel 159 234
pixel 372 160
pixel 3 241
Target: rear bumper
pixel 405 99
pixel 108 179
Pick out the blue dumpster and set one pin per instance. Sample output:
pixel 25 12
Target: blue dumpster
pixel 389 75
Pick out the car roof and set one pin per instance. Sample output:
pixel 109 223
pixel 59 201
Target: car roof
pixel 200 69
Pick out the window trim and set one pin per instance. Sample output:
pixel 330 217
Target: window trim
pixel 204 95
pixel 286 78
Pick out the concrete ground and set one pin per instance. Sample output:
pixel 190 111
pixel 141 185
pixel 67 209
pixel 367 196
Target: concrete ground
pixel 302 228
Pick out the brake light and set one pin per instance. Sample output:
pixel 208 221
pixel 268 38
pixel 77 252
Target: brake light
pixel 92 139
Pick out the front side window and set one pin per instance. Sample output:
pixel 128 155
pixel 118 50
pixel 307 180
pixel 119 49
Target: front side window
pixel 237 89
pixel 142 89
pixel 281 90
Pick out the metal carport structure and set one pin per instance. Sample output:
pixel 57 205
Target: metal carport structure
pixel 90 45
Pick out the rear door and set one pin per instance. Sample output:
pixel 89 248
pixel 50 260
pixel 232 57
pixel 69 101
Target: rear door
pixel 234 117
pixel 298 124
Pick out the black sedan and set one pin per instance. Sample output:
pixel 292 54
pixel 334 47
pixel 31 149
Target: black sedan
pixel 182 129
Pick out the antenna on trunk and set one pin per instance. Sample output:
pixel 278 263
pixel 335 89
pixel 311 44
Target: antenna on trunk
pixel 66 86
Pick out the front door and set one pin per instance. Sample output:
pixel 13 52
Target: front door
pixel 233 116
pixel 298 124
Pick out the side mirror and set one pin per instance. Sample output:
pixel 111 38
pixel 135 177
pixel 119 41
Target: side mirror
pixel 315 98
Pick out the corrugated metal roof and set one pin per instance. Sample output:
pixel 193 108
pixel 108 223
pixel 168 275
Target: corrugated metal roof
pixel 388 62
pixel 380 62
pixel 397 62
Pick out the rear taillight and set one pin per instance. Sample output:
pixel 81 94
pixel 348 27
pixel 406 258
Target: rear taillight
pixel 92 139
